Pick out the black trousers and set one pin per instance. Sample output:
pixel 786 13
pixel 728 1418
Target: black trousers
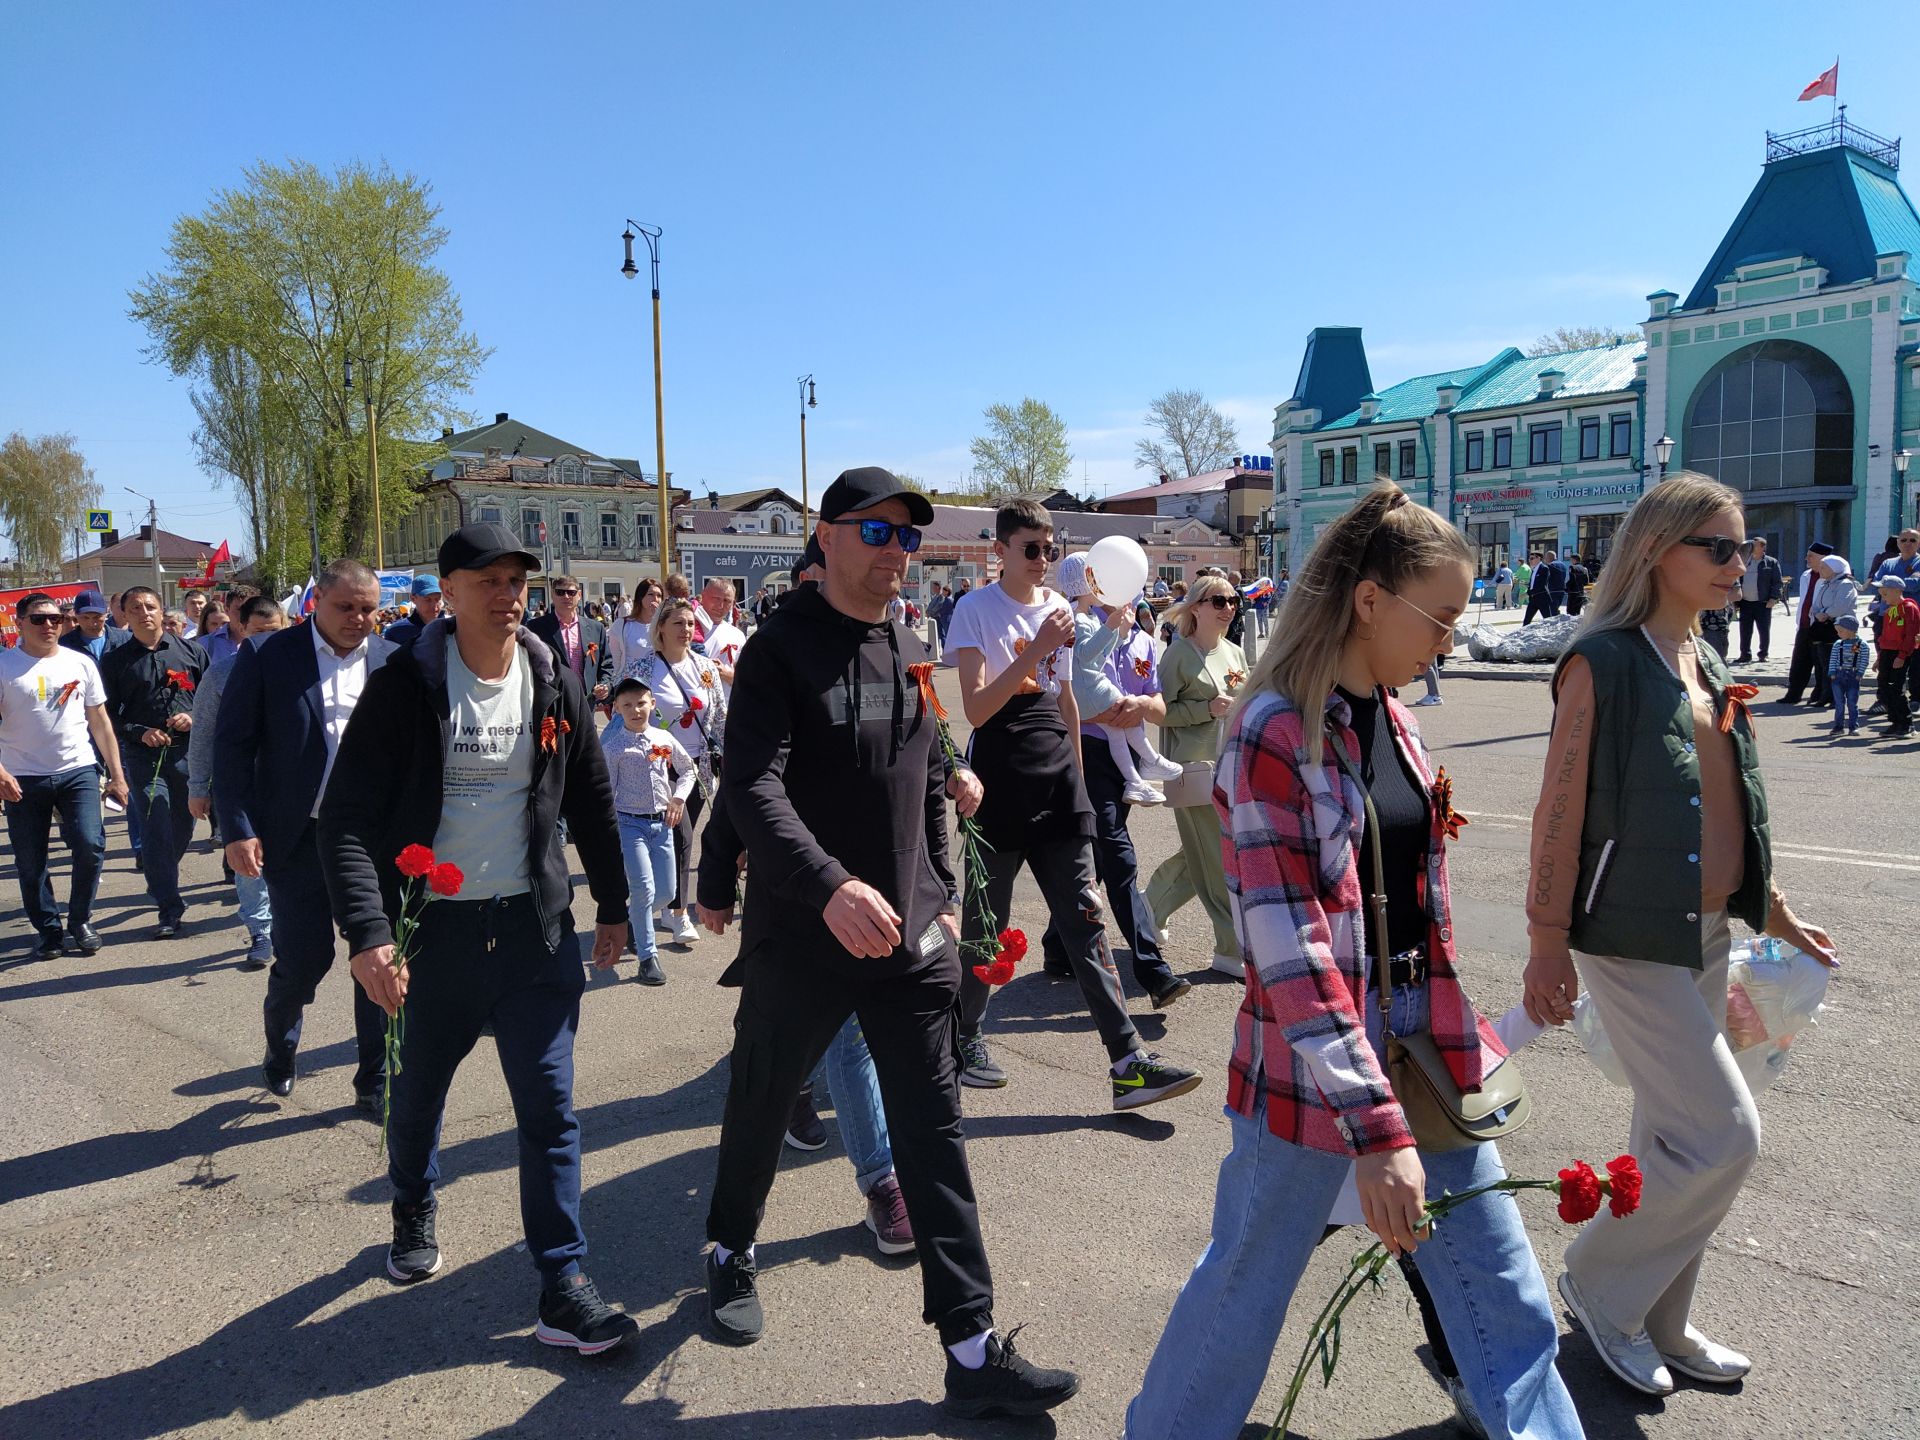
pixel 303 950
pixel 1545 606
pixel 1118 867
pixel 1755 615
pixel 1893 689
pixel 1807 671
pixel 791 1007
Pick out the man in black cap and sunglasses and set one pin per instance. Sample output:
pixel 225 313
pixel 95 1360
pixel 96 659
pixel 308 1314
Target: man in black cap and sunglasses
pixel 837 783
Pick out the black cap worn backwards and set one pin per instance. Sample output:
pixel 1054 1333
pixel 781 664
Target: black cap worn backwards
pixel 869 485
pixel 474 547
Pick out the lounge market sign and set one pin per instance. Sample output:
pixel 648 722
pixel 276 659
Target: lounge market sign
pixel 1600 492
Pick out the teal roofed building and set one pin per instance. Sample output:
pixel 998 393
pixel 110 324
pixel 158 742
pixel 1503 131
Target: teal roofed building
pixel 1790 371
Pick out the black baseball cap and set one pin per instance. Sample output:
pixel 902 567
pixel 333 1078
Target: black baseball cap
pixel 474 547
pixel 869 485
pixel 810 557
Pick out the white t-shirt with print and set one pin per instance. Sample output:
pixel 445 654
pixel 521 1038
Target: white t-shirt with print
pixel 483 805
pixel 991 621
pixel 43 710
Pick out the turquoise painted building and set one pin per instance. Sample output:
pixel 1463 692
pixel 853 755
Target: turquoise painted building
pixel 1790 370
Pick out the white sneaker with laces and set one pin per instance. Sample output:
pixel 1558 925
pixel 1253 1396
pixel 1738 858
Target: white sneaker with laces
pixel 1158 767
pixel 683 931
pixel 1707 1361
pixel 1631 1357
pixel 1428 700
pixel 1141 795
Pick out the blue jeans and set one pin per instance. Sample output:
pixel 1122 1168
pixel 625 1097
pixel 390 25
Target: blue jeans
pixel 73 795
pixel 1268 1215
pixel 254 907
pixel 646 846
pixel 1846 702
pixel 855 1086
pixel 479 961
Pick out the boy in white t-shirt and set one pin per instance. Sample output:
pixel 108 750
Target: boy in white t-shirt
pixel 652 776
pixel 1011 642
pixel 53 723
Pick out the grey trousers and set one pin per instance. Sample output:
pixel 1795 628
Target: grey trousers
pixel 1695 1133
pixel 1063 869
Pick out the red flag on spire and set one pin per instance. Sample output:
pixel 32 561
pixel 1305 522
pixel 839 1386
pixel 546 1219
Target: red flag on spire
pixel 1827 84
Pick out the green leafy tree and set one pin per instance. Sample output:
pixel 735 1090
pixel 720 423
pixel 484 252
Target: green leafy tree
pixel 46 488
pixel 1581 337
pixel 264 296
pixel 1024 451
pixel 1193 436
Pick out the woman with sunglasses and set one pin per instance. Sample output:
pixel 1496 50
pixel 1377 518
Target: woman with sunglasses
pixel 631 641
pixel 1198 675
pixel 1650 833
pixel 1314 739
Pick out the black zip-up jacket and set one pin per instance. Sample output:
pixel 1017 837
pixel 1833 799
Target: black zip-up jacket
pixel 385 792
pixel 834 773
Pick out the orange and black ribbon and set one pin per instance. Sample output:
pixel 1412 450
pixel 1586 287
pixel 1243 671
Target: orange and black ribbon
pixel 1737 697
pixel 922 675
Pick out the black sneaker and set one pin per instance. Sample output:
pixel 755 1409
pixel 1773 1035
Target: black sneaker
pixel 1149 1079
pixel 259 953
pixel 414 1254
pixel 804 1128
pixel 52 947
pixel 84 939
pixel 650 972
pixel 733 1299
pixel 1008 1384
pixel 573 1315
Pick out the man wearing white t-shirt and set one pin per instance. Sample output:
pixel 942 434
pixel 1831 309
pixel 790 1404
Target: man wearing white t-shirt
pixel 52 717
pixel 715 633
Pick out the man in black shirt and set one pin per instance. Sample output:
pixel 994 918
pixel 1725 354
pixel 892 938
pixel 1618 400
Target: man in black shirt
pixel 150 682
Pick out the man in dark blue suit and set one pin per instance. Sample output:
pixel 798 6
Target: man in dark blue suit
pixel 578 640
pixel 285 708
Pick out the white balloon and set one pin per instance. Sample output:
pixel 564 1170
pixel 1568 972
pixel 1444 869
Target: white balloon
pixel 1117 567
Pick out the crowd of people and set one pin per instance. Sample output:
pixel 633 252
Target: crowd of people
pixel 785 766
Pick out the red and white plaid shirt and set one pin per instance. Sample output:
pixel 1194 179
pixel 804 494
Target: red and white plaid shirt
pixel 1290 840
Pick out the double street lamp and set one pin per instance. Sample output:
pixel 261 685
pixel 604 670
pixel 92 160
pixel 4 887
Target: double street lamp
pixel 807 402
pixel 373 458
pixel 651 234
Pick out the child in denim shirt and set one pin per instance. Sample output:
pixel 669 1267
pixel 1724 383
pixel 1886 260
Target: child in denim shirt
pixel 1847 665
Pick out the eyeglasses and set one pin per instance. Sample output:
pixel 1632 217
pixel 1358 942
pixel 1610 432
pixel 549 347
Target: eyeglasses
pixel 1034 549
pixel 1223 602
pixel 558 594
pixel 1418 611
pixel 1722 547
pixel 878 532
pixel 44 618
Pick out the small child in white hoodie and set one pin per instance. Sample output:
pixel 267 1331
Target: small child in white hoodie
pixel 1093 641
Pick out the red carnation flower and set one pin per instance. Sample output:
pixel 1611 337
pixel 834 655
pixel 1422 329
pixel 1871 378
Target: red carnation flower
pixel 1013 947
pixel 697 703
pixel 1624 1181
pixel 998 973
pixel 414 861
pixel 445 879
pixel 1579 1194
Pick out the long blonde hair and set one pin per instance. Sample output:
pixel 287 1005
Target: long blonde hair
pixel 1628 591
pixel 1385 538
pixel 668 609
pixel 1181 616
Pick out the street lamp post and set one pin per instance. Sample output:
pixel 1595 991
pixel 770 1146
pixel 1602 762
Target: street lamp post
pixel 1902 459
pixel 1663 452
pixel 807 402
pixel 651 234
pixel 373 462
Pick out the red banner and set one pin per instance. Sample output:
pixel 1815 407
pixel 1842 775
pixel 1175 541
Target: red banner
pixel 9 628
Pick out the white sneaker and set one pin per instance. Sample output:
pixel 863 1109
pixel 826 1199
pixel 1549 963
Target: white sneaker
pixel 1427 700
pixel 1158 767
pixel 1230 965
pixel 1708 1361
pixel 1630 1357
pixel 683 932
pixel 1137 794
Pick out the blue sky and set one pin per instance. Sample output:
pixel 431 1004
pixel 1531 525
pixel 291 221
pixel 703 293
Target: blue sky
pixel 930 208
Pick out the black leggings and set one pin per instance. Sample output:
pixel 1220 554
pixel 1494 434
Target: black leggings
pixel 683 844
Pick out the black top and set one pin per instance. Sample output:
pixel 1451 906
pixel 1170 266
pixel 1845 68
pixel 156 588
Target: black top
pixel 1406 826
pixel 139 695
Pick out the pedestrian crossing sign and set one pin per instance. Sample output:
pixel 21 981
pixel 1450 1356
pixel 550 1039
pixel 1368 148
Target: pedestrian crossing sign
pixel 99 520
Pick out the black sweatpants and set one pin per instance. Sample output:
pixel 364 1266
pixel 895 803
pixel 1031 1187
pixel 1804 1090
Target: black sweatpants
pixel 790 1009
pixel 1807 670
pixel 1755 615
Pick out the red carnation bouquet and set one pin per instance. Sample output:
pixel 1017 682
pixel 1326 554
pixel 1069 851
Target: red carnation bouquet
pixel 425 880
pixel 1580 1190
pixel 178 686
pixel 991 957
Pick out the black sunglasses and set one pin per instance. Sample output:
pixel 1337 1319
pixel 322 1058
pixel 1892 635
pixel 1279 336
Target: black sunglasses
pixel 1034 549
pixel 44 618
pixel 878 532
pixel 558 593
pixel 1722 547
pixel 1223 602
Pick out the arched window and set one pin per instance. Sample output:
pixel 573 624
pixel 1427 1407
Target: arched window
pixel 776 524
pixel 1774 416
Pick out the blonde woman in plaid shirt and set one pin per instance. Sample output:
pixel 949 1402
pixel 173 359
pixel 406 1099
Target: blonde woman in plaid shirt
pixel 1307 1098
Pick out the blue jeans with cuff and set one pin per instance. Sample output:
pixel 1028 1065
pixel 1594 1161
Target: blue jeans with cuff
pixel 1269 1212
pixel 646 848
pixel 74 796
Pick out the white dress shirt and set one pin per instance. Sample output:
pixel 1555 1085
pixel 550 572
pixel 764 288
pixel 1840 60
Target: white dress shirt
pixel 342 678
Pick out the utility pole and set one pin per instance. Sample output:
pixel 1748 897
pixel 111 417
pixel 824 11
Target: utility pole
pixel 153 544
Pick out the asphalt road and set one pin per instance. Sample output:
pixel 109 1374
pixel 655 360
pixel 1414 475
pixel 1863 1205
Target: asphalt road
pixel 182 1254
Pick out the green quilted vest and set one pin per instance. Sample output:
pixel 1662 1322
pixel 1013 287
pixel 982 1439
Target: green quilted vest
pixel 1639 889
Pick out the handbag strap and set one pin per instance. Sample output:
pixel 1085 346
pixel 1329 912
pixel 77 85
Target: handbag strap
pixel 1377 900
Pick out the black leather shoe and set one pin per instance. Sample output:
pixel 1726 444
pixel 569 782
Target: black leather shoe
pixel 166 930
pixel 50 947
pixel 278 1082
pixel 84 939
pixel 369 1102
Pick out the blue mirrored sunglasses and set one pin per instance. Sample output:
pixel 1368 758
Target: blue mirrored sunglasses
pixel 878 532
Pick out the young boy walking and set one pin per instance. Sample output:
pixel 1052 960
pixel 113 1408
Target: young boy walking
pixel 652 776
pixel 1009 641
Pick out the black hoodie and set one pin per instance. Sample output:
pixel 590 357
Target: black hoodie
pixel 834 773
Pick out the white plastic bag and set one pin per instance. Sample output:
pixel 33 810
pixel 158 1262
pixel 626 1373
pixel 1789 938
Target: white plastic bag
pixel 1773 993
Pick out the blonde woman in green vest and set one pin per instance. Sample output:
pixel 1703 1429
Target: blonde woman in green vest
pixel 1198 676
pixel 1650 835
